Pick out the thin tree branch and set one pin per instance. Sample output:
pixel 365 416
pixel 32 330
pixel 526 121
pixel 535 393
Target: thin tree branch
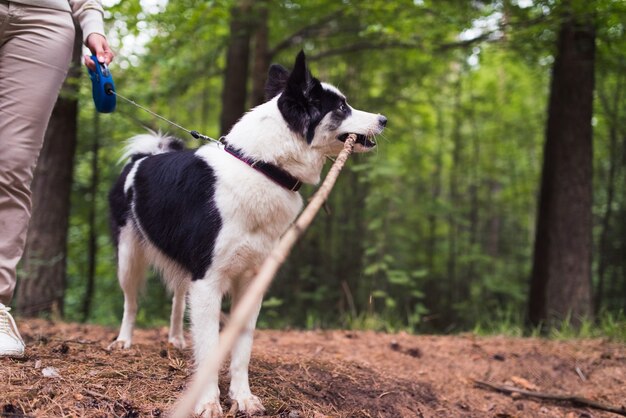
pixel 296 37
pixel 489 36
pixel 576 400
pixel 362 46
pixel 484 37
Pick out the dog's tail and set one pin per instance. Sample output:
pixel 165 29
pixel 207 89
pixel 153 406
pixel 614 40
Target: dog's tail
pixel 150 144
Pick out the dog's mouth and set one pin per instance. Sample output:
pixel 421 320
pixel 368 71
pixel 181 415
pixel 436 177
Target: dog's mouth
pixel 366 141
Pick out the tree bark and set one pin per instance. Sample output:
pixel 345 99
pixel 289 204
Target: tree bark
pixel 234 92
pixel 453 224
pixel 92 253
pixel 261 54
pixel 435 194
pixel 42 286
pixel 560 285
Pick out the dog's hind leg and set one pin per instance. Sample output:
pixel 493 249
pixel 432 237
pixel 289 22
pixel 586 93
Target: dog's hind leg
pixel 240 359
pixel 205 303
pixel 176 336
pixel 131 275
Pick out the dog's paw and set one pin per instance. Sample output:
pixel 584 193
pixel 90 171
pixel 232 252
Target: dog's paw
pixel 250 404
pixel 178 342
pixel 209 409
pixel 119 344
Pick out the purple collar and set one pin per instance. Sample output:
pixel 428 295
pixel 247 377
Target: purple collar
pixel 275 173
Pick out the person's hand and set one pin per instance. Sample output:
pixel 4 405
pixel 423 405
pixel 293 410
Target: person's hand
pixel 99 47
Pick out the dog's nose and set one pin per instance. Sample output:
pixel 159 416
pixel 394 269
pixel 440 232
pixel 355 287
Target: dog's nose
pixel 382 121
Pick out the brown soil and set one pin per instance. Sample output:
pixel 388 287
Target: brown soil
pixel 314 374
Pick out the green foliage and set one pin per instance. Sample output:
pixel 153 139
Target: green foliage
pixel 502 322
pixel 608 325
pixel 433 231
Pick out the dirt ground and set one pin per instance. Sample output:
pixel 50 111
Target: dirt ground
pixel 314 374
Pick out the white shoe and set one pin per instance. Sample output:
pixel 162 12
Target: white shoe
pixel 11 344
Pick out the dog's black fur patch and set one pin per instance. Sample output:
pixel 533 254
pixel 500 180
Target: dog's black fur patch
pixel 173 195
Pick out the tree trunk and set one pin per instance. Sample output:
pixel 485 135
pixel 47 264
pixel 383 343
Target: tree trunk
pixel 453 224
pixel 494 224
pixel 435 195
pixel 560 285
pixel 42 286
pixel 237 58
pixel 611 110
pixel 92 253
pixel 261 54
pixel 474 218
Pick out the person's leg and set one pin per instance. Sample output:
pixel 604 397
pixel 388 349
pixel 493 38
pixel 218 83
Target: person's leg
pixel 35 52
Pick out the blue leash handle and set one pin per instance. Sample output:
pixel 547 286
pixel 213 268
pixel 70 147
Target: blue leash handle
pixel 102 87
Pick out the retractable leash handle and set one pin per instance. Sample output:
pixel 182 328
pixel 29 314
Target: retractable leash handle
pixel 105 97
pixel 102 87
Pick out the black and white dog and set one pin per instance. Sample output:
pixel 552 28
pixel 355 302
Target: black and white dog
pixel 208 217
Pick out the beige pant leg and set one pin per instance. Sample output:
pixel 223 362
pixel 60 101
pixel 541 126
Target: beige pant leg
pixel 35 52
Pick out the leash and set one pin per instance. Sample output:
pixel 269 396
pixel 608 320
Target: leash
pixel 195 134
pixel 104 95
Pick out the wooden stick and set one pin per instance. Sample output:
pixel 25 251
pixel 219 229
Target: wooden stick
pixel 254 295
pixel 577 400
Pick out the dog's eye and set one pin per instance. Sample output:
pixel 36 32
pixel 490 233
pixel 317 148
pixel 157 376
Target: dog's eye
pixel 343 107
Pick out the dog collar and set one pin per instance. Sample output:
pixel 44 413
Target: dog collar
pixel 275 173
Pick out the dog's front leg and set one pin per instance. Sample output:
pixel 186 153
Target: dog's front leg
pixel 240 359
pixel 205 300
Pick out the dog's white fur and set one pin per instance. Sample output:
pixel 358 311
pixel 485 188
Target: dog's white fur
pixel 255 212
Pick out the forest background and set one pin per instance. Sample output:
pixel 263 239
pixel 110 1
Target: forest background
pixel 494 201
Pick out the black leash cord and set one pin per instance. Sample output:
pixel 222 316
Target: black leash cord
pixel 195 134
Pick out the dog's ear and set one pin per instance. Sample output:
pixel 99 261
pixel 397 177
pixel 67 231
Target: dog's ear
pixel 276 81
pixel 297 102
pixel 300 77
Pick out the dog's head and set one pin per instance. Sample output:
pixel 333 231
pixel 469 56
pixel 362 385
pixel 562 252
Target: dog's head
pixel 318 111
